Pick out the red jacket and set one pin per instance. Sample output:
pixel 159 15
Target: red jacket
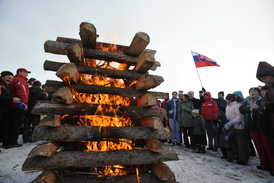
pixel 19 88
pixel 163 104
pixel 209 108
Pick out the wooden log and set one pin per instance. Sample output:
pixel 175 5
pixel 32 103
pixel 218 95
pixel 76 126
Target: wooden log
pixel 147 82
pixel 162 171
pixel 47 176
pixel 51 120
pixel 118 74
pixel 68 72
pixel 45 149
pixel 52 86
pixel 89 159
pixel 145 63
pixel 47 107
pixel 152 122
pixel 64 95
pixel 59 48
pixel 138 44
pixel 75 54
pixel 85 133
pixel 153 145
pixel 144 178
pixel 88 34
pixel 155 66
pixel 146 100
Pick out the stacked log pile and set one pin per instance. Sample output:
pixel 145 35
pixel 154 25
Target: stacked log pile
pixel 62 158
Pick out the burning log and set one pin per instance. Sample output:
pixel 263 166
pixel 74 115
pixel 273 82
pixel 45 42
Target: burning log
pixel 47 176
pixel 145 63
pixel 75 54
pixel 52 86
pixel 64 95
pixel 144 178
pixel 152 122
pixel 147 100
pixel 153 145
pixel 45 149
pixel 59 48
pixel 162 171
pixel 46 107
pixel 148 81
pixel 51 120
pixel 88 34
pixel 90 159
pixel 85 133
pixel 138 44
pixel 68 70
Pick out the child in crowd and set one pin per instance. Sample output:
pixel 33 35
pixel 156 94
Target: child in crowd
pixel 199 131
pixel 225 138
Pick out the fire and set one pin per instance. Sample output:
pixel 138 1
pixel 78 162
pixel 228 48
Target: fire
pixel 115 170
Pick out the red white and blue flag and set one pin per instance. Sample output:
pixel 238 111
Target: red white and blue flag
pixel 202 60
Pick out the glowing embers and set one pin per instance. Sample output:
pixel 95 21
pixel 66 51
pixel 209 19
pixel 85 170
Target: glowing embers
pixel 104 121
pixel 115 170
pixel 119 144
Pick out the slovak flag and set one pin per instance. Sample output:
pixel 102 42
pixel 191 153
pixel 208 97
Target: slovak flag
pixel 203 61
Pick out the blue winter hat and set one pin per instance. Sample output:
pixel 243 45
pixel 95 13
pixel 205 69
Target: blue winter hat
pixel 221 116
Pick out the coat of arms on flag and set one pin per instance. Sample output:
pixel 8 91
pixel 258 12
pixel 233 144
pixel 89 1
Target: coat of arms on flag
pixel 202 60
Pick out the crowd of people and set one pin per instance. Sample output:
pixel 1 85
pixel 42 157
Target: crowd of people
pixel 230 123
pixel 18 95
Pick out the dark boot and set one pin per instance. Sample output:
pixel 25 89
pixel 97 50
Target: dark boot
pixel 230 155
pixel 199 148
pixel 223 153
pixel 203 149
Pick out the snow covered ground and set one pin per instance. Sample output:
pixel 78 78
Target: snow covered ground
pixel 191 167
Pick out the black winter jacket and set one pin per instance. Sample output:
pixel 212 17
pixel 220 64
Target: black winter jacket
pixel 5 99
pixel 35 94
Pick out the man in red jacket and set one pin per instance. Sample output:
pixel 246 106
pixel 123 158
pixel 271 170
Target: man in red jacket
pixel 18 88
pixel 209 110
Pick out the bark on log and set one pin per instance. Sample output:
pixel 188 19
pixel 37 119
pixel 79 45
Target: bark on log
pixel 52 86
pixel 75 54
pixel 59 48
pixel 153 145
pixel 138 44
pixel 45 149
pixel 86 133
pixel 118 74
pixel 152 122
pixel 46 107
pixel 51 120
pixel 162 171
pixel 146 100
pixel 145 63
pixel 155 66
pixel 144 178
pixel 47 176
pixel 68 72
pixel 88 34
pixel 64 95
pixel 147 82
pixel 98 159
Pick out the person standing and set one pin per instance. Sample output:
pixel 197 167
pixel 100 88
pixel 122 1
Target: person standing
pixel 196 102
pixel 220 102
pixel 5 100
pixel 209 110
pixel 172 115
pixel 18 88
pixel 36 93
pixel 186 122
pixel 199 132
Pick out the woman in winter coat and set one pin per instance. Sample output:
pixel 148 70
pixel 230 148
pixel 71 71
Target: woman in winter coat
pixel 236 119
pixel 186 121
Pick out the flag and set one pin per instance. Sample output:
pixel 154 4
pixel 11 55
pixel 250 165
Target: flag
pixel 203 61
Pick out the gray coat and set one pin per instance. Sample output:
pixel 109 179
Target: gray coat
pixel 185 118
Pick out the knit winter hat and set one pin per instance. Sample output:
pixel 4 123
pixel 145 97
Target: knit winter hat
pixel 37 83
pixel 6 73
pixel 264 69
pixel 230 97
pixel 255 88
pixel 195 112
pixel 221 92
pixel 221 116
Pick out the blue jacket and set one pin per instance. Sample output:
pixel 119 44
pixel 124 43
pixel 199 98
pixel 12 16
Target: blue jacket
pixel 170 109
pixel 221 104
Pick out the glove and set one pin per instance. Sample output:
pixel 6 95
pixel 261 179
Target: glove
pixel 226 138
pixel 21 105
pixel 203 89
pixel 228 125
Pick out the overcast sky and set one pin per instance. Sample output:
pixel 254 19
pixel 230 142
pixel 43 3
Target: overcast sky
pixel 236 33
